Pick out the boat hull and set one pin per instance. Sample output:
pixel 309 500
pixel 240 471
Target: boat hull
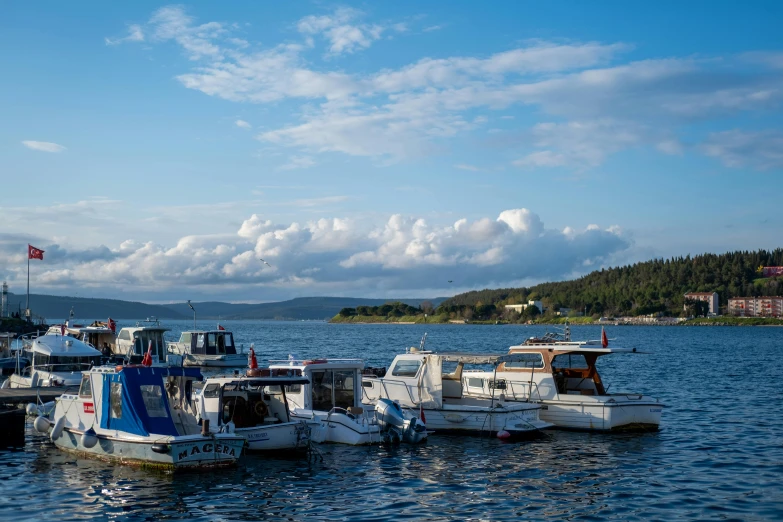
pixel 340 428
pixel 622 414
pixel 291 436
pixel 473 421
pixel 215 361
pixel 189 452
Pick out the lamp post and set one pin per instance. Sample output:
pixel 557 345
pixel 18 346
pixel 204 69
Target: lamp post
pixel 194 314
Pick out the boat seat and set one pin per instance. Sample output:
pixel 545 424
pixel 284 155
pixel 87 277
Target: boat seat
pixel 355 410
pixel 452 389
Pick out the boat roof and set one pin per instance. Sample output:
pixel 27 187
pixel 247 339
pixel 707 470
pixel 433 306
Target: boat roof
pixel 214 330
pixel 480 358
pixel 259 381
pixel 174 371
pixel 572 347
pixel 63 346
pixel 317 363
pixel 146 328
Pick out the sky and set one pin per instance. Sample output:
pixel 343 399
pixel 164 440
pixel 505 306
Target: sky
pixel 160 152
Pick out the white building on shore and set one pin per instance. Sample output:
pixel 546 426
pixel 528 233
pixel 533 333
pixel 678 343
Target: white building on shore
pixel 710 297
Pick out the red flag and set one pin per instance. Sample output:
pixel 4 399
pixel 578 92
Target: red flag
pixel 62 329
pixel 34 253
pixel 421 414
pixel 112 325
pixel 604 339
pixel 220 327
pixel 251 360
pixel 147 360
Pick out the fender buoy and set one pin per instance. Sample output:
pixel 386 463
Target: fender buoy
pixel 41 424
pixel 89 438
pixel 58 428
pixel 503 435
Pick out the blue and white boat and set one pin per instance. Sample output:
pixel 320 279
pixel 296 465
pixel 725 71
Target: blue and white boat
pixel 139 415
pixel 52 360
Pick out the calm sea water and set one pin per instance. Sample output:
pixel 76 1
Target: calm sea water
pixel 719 454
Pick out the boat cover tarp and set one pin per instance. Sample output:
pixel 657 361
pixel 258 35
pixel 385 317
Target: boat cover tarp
pixel 431 383
pixel 135 418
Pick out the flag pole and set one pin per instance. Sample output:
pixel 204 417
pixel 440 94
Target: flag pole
pixel 27 306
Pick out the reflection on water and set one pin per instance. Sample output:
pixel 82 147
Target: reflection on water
pixel 719 456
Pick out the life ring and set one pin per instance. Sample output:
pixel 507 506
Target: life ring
pixel 260 408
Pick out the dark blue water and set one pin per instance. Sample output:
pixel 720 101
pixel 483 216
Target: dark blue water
pixel 718 456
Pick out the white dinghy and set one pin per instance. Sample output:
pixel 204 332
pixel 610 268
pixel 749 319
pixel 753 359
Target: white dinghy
pixel 417 383
pixel 256 409
pixel 139 415
pixel 332 398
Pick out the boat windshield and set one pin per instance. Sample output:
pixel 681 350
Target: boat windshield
pixel 142 341
pixel 333 389
pixel 61 363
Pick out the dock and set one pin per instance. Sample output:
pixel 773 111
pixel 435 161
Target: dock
pixel 14 396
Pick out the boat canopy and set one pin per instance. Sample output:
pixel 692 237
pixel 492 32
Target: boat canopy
pixel 260 381
pixel 479 358
pixel 134 399
pixel 572 347
pixel 63 346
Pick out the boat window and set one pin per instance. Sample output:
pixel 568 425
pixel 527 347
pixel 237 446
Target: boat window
pixel 322 390
pixel 124 335
pixel 529 360
pixel 344 388
pixel 211 391
pixel 221 344
pixel 293 388
pixel 569 360
pixel 406 368
pixel 367 384
pixel 85 389
pixel 200 341
pixel 152 394
pixel 211 339
pixel 40 359
pixel 115 400
pixel 185 338
pixel 499 384
pixel 475 382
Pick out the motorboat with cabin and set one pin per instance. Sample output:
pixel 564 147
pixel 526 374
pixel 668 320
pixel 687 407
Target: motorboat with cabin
pixel 256 409
pixel 561 376
pixel 433 384
pixel 101 335
pixel 139 415
pixel 332 398
pixel 208 348
pixel 133 342
pixel 54 360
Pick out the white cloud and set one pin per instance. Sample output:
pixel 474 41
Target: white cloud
pixel 759 150
pixel 298 162
pixel 405 252
pixel 343 34
pixel 432 28
pixel 465 166
pixel 43 146
pixel 242 124
pixel 135 34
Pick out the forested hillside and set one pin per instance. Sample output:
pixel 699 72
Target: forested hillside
pixel 643 288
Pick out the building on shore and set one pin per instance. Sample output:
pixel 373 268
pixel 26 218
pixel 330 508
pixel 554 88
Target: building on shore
pixel 710 297
pixel 519 307
pixel 765 306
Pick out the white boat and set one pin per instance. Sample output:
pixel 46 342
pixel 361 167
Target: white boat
pixel 133 342
pixel 561 376
pixel 332 398
pixel 98 334
pixel 208 348
pixel 138 415
pixel 55 360
pixel 256 409
pixel 417 382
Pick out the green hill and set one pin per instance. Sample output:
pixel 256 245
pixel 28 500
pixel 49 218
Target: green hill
pixel 643 288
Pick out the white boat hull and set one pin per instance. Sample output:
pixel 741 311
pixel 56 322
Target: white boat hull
pixel 41 379
pixel 190 451
pixel 340 428
pixel 215 361
pixel 612 413
pixel 286 436
pixel 466 420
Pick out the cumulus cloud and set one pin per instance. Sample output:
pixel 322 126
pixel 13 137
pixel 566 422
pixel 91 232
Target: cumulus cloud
pixel 135 34
pixel 43 146
pixel 405 252
pixel 242 124
pixel 341 31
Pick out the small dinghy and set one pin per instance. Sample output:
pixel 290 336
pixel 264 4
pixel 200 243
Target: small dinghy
pixel 139 415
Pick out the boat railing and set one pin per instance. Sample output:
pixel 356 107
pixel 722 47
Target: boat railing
pixel 395 384
pixel 305 362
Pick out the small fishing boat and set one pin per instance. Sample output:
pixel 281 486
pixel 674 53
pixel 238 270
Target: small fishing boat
pixel 417 382
pixel 332 398
pixel 55 360
pixel 256 409
pixel 98 334
pixel 208 348
pixel 139 415
pixel 133 342
pixel 561 376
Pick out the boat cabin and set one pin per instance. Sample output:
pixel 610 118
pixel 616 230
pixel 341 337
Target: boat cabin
pixel 56 353
pixel 139 400
pixel 248 401
pixel 331 383
pixel 134 341
pixel 212 342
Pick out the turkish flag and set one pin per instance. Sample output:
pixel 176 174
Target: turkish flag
pixel 34 253
pixel 220 327
pixel 604 339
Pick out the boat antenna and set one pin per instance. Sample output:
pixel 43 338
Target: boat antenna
pixel 194 314
pixel 423 340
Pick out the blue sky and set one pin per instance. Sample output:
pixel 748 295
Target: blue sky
pixel 157 151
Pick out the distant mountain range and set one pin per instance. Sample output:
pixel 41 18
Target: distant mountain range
pixel 301 308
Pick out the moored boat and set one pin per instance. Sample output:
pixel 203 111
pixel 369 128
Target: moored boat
pixel 256 409
pixel 333 399
pixel 208 348
pixel 54 360
pixel 417 382
pixel 561 376
pixel 139 415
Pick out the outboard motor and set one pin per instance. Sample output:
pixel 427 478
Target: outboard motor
pixel 394 427
pixel 389 414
